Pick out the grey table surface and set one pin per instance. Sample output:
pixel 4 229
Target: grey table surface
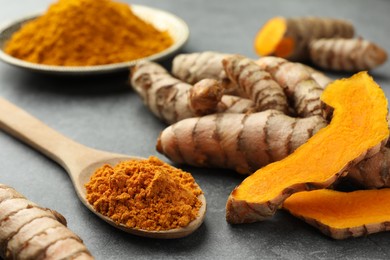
pixel 104 113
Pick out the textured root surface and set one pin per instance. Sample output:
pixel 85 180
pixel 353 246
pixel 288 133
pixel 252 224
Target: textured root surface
pixel 346 54
pixel 301 88
pixel 243 142
pixel 27 230
pixel 255 83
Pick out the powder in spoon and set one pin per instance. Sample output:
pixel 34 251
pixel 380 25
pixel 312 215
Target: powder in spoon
pixel 145 194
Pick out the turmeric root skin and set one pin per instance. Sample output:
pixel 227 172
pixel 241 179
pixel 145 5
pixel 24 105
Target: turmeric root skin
pixel 164 95
pixel 28 231
pixel 172 100
pixel 298 83
pixel 346 54
pixel 371 173
pixel 255 83
pixel 243 142
pixel 193 67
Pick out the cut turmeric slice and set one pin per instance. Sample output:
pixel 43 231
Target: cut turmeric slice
pixel 289 38
pixel 358 129
pixel 270 36
pixel 342 215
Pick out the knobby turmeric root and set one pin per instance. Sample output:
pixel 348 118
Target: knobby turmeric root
pixel 172 100
pixel 298 83
pixel 289 38
pixel 196 66
pixel 318 76
pixel 358 129
pixel 303 85
pixel 28 231
pixel 371 173
pixel 242 142
pixel 164 95
pixel 206 97
pixel 255 83
pixel 342 215
pixel 346 54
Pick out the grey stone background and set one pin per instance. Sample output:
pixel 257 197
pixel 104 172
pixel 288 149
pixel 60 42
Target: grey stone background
pixel 104 113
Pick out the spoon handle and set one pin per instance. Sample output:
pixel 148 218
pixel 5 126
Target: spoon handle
pixel 70 155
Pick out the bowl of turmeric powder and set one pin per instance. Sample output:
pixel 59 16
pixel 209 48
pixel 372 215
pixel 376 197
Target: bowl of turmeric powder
pixel 91 37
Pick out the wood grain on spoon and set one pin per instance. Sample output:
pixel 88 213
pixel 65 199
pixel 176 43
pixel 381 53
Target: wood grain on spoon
pixel 79 161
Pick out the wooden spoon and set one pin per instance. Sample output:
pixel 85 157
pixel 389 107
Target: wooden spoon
pixel 79 161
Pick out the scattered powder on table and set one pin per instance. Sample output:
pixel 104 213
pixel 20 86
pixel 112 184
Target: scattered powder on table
pixel 145 194
pixel 86 32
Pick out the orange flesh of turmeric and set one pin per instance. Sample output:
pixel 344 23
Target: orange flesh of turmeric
pixel 285 47
pixel 270 36
pixel 341 209
pixel 358 123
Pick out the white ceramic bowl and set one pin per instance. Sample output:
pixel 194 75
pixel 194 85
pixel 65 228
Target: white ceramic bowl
pixel 162 20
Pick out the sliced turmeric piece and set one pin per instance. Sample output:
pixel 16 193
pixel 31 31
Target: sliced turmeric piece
pixel 358 129
pixel 289 38
pixel 342 215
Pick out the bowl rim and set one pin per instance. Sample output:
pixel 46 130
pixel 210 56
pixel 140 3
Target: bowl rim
pixel 179 42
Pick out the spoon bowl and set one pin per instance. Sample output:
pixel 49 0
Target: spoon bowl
pixel 80 162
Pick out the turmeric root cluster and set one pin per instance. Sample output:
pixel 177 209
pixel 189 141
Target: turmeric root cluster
pixel 292 124
pixel 326 42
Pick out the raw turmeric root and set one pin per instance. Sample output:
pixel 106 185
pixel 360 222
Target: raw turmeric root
pixel 255 83
pixel 164 95
pixel 193 67
pixel 243 142
pixel 371 173
pixel 298 84
pixel 358 129
pixel 318 76
pixel 289 38
pixel 172 100
pixel 346 54
pixel 28 231
pixel 206 97
pixel 342 215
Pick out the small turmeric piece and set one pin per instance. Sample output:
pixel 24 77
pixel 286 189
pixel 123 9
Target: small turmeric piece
pixel 172 100
pixel 371 173
pixel 255 83
pixel 196 66
pixel 346 54
pixel 85 33
pixel 206 97
pixel 342 215
pixel 298 83
pixel 358 128
pixel 289 38
pixel 145 194
pixel 28 231
pixel 164 95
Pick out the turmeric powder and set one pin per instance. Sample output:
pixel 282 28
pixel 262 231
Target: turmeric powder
pixel 86 32
pixel 145 194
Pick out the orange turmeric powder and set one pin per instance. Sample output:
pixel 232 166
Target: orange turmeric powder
pixel 145 194
pixel 86 32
